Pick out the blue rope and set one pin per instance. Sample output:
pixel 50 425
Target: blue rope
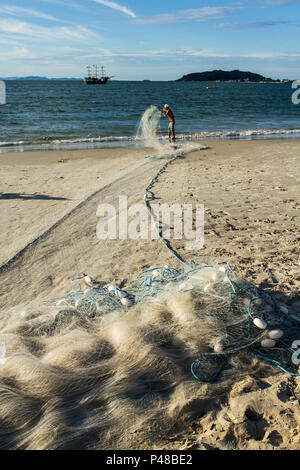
pixel 214 376
pixel 100 301
pixel 276 363
pixel 152 215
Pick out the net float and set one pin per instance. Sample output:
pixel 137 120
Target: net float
pixel 155 273
pixel 126 302
pixel 268 343
pixel 261 324
pixel 218 348
pixel 122 294
pixel 112 288
pixel 284 309
pixel 88 280
pixel 276 334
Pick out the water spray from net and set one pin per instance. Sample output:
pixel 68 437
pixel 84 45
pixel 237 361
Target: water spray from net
pixel 148 133
pixel 148 128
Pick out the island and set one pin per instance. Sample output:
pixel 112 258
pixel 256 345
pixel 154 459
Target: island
pixel 225 76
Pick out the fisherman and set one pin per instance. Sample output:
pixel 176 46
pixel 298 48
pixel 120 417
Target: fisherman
pixel 166 111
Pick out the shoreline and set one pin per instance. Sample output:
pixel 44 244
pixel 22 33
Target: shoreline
pixel 131 142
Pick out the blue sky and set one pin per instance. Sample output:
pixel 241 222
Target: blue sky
pixel 155 39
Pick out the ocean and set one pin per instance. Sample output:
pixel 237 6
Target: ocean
pixel 72 115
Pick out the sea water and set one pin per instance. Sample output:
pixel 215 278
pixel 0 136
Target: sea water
pixel 69 114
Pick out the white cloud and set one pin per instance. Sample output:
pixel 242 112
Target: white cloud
pixel 175 53
pixel 255 24
pixel 196 14
pixel 41 33
pixel 279 2
pixel 116 6
pixel 164 64
pixel 266 55
pixel 19 11
pixel 17 53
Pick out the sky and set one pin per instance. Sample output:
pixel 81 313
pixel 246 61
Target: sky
pixel 155 40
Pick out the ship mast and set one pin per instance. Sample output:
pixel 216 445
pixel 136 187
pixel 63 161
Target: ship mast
pixel 92 75
pixel 88 71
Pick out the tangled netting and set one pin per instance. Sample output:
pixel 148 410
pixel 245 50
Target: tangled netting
pixel 230 314
pixel 108 368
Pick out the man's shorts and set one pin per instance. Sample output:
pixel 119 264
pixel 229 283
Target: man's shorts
pixel 172 129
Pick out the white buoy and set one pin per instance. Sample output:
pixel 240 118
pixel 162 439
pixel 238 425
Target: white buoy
pixel 88 280
pixel 155 273
pixel 261 324
pixel 122 294
pixel 284 309
pixel 268 343
pixel 126 302
pixel 222 269
pixel 276 334
pixel 218 348
pixel 112 288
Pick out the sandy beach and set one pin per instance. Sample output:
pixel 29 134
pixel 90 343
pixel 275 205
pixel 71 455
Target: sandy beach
pixel 250 191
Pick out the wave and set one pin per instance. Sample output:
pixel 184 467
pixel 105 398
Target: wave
pixel 139 140
pixel 55 141
pixel 246 133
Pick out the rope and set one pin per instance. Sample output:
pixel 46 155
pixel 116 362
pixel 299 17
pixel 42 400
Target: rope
pixel 150 196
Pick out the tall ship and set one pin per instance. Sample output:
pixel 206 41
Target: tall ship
pixel 92 78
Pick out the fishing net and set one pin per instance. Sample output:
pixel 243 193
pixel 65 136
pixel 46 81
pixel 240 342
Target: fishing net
pixel 228 314
pixel 149 127
pixel 112 368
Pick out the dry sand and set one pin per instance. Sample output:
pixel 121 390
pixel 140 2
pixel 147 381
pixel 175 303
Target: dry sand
pixel 250 190
pixel 38 188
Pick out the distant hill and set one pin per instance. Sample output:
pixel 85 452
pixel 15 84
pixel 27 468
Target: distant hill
pixel 223 76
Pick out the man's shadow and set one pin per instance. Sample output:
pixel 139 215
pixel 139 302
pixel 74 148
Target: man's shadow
pixel 25 196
